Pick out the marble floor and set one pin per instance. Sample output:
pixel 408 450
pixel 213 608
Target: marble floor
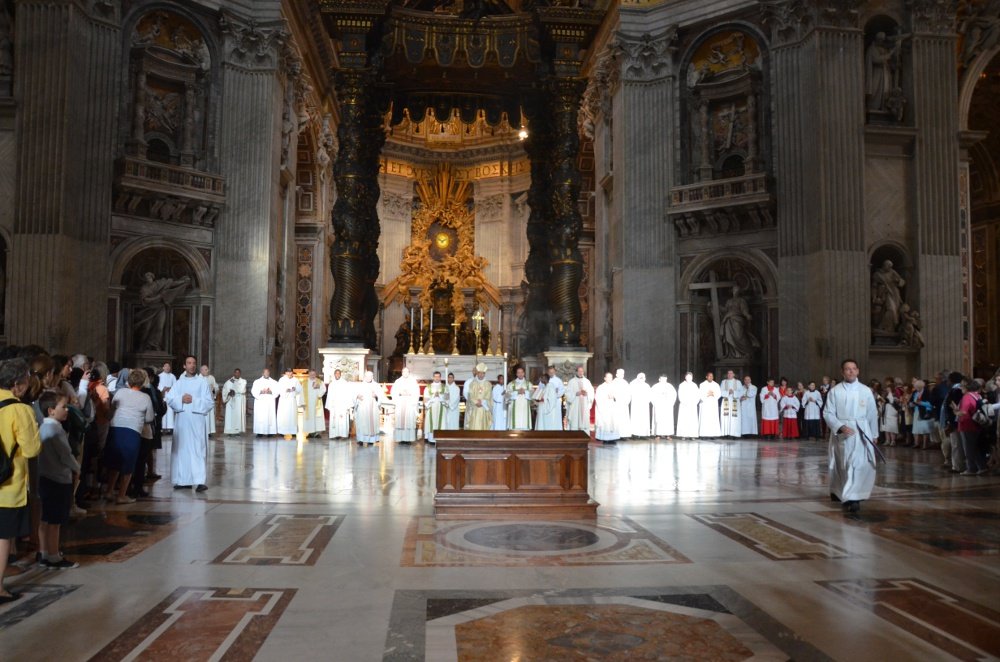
pixel 714 550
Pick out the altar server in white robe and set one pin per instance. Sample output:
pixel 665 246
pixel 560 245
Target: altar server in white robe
pixel 340 403
pixel 769 411
pixel 606 409
pixel 663 396
pixel 368 400
pixel 579 399
pixel 852 417
pixel 213 386
pixel 549 413
pixel 191 401
pixel 234 396
pixel 313 421
pixel 454 402
pixel 708 409
pixel 405 396
pixel 623 396
pixel 265 396
pixel 519 402
pixel 748 408
pixel 289 401
pixel 729 415
pixel 498 399
pixel 687 412
pixel 812 407
pixel 165 383
pixel 434 406
pixel 639 407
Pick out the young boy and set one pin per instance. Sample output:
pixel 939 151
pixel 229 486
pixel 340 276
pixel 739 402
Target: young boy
pixel 57 469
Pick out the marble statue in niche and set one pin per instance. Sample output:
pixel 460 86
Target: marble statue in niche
pixel 909 327
pixel 887 298
pixel 884 98
pixel 738 342
pixel 155 297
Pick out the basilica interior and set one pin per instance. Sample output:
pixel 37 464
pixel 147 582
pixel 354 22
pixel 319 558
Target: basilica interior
pixel 660 186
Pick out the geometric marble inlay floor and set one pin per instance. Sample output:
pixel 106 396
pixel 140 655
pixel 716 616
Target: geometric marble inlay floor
pixel 711 549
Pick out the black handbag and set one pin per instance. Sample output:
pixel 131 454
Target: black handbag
pixel 7 461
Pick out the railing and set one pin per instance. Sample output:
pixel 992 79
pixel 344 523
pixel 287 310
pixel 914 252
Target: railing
pixel 725 191
pixel 199 184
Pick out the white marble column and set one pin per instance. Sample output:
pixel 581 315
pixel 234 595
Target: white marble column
pixel 246 238
pixel 67 80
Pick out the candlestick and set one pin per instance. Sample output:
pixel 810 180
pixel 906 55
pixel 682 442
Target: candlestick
pixel 412 330
pixel 420 341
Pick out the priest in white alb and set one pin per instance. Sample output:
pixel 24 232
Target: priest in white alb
pixel 289 401
pixel 265 397
pixel 623 396
pixel 498 400
pixel 579 400
pixel 748 408
pixel 639 407
pixel 313 421
pixel 166 381
pixel 434 406
pixel 368 398
pixel 663 396
pixel 191 401
pixel 213 386
pixel 729 414
pixel 687 412
pixel 477 392
pixel 605 411
pixel 548 416
pixel 852 417
pixel 234 397
pixel 708 409
pixel 340 404
pixel 405 396
pixel 453 400
pixel 519 402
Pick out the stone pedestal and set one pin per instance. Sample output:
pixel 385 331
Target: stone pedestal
pixel 351 360
pixel 422 366
pixel 740 367
pixel 567 360
pixel 151 358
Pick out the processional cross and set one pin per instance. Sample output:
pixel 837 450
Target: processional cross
pixel 713 286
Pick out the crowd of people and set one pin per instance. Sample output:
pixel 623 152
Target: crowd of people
pixel 76 431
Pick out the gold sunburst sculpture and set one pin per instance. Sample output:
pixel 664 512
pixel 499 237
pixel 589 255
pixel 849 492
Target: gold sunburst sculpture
pixel 442 247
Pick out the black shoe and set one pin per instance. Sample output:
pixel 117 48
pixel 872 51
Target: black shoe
pixel 852 506
pixel 182 487
pixel 61 564
pixel 201 488
pixel 834 497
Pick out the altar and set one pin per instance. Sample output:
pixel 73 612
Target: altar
pixel 422 366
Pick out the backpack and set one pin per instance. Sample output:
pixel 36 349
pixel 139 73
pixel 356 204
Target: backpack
pixel 7 461
pixel 981 416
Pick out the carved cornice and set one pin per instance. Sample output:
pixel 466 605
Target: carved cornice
pixel 605 77
pixel 791 20
pixel 935 16
pixel 251 44
pixel 647 58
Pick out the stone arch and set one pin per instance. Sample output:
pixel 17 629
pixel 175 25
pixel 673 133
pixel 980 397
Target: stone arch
pixel 123 256
pixel 753 257
pixel 969 81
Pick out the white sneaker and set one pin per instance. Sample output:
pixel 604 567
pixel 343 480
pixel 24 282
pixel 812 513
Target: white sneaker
pixel 77 511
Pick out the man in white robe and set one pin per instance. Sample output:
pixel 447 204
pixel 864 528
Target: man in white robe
pixel 708 409
pixel 313 421
pixel 557 388
pixel 639 391
pixel 265 396
pixel 748 408
pixel 605 411
pixel 518 393
pixel 623 396
pixel 548 416
pixel 289 401
pixel 166 382
pixel 368 398
pixel 579 400
pixel 453 399
pixel 729 415
pixel 812 409
pixel 663 396
pixel 852 417
pixel 498 399
pixel 434 406
pixel 191 402
pixel 687 412
pixel 405 397
pixel 340 403
pixel 213 386
pixel 234 396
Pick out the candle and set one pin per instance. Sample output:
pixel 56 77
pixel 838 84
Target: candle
pixel 421 320
pixel 412 315
pixel 432 319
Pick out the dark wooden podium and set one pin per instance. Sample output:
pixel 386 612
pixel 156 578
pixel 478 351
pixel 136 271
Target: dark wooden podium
pixel 512 475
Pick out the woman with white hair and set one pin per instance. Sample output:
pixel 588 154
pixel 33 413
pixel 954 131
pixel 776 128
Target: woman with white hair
pixel 920 404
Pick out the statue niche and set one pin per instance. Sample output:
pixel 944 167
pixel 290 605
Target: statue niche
pixel 156 306
pixel 885 101
pixel 893 320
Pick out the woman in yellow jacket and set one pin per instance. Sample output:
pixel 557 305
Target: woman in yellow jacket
pixel 20 440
